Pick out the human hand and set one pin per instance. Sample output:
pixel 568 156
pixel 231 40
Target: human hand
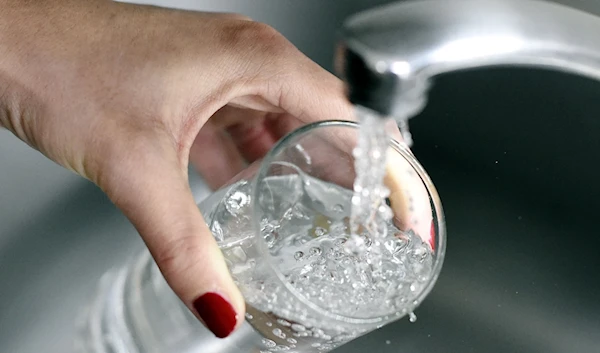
pixel 126 95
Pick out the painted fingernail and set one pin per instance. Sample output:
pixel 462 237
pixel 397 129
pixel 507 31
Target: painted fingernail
pixel 217 313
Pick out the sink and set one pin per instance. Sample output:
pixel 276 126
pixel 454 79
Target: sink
pixel 513 152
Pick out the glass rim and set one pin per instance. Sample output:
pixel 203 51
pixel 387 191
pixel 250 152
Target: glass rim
pixel 437 212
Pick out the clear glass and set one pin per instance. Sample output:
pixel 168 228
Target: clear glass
pixel 279 225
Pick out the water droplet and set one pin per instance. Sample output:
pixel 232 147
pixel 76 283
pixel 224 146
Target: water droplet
pixel 289 214
pixel 338 208
pixel 412 317
pixel 315 251
pixel 249 316
pixel 319 231
pixel 282 322
pixel 236 202
pixel 298 255
pixel 271 239
pixel 298 328
pixel 268 323
pixel 388 342
pixel 277 332
pixel 268 343
pixel 385 212
pixel 292 341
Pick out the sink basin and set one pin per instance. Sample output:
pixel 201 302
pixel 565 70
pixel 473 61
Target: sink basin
pixel 513 153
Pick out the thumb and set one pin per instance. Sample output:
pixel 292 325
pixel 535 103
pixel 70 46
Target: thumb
pixel 157 199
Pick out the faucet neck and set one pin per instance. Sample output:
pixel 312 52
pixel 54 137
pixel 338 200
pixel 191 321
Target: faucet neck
pixel 388 55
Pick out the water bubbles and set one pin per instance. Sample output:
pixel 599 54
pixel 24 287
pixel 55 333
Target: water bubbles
pixel 365 193
pixel 376 154
pixel 355 245
pixel 249 316
pixel 269 343
pixel 277 332
pixel 320 231
pixel 395 245
pixel 284 323
pixel 335 277
pixel 298 328
pixel 271 239
pixel 357 152
pixel 339 242
pixel 412 317
pixel 385 212
pixel 306 269
pixel 419 254
pixel 338 208
pixel 288 215
pixel 237 201
pixel 315 251
pixel 292 341
pixel 311 247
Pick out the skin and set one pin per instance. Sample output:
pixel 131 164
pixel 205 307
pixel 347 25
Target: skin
pixel 127 95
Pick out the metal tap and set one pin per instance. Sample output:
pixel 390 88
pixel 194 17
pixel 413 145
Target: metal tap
pixel 388 56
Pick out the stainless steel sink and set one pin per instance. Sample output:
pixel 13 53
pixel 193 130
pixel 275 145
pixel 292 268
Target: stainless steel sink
pixel 514 154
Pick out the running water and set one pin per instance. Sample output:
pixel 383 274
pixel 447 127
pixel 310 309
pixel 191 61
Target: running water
pixel 370 213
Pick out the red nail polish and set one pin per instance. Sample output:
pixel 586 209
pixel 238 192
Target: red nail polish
pixel 432 236
pixel 217 313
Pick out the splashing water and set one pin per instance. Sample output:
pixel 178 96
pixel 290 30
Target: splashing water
pixel 337 248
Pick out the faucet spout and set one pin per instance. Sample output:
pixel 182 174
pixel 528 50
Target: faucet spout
pixel 388 56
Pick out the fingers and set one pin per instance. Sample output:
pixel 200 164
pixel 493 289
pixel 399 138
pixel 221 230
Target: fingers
pixel 409 198
pixel 155 196
pixel 216 156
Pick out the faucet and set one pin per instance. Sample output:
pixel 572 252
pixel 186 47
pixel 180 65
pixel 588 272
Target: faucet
pixel 389 55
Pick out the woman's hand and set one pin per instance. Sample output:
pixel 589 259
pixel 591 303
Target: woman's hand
pixel 125 95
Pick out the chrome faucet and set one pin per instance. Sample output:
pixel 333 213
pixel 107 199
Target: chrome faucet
pixel 389 55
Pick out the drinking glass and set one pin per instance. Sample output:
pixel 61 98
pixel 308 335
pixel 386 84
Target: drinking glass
pixel 281 225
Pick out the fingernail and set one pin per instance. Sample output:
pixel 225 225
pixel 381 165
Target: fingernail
pixel 217 313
